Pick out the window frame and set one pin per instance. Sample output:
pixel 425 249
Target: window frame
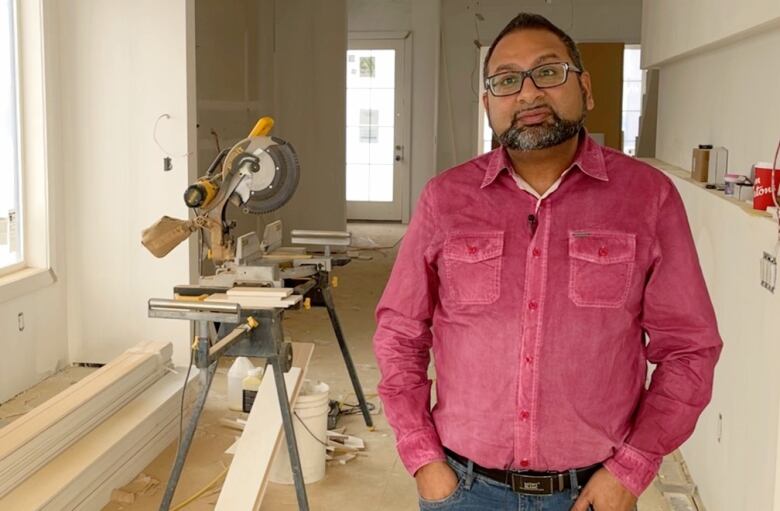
pixel 21 264
pixel 36 271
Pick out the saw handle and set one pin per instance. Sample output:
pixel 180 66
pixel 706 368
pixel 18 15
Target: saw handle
pixel 262 128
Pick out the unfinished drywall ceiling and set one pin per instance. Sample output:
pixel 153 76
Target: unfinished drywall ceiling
pixel 586 21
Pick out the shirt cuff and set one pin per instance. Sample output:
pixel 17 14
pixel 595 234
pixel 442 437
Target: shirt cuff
pixel 634 469
pixel 420 448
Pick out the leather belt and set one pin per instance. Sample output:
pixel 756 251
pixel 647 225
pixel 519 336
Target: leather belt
pixel 530 482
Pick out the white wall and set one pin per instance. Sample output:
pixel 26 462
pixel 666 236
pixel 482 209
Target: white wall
pixel 422 19
pixel 672 29
pixel 121 65
pixel 708 54
pixel 585 21
pixel 730 243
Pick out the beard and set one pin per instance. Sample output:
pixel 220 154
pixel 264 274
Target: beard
pixel 542 136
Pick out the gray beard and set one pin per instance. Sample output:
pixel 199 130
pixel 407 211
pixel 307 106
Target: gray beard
pixel 541 137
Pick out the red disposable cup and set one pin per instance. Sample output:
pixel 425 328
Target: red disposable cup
pixel 762 187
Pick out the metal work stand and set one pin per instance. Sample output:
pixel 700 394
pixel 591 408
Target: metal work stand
pixel 321 296
pixel 258 334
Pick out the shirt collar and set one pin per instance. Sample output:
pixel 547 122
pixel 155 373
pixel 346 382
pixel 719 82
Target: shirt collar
pixel 588 158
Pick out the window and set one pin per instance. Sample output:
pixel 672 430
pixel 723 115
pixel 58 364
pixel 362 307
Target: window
pixel 10 215
pixel 632 97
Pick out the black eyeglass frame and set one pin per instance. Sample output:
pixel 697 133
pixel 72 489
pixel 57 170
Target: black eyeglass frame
pixel 529 74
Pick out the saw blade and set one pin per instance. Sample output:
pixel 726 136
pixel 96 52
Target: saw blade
pixel 268 185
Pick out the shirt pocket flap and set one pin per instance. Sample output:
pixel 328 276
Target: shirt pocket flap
pixel 602 247
pixel 474 247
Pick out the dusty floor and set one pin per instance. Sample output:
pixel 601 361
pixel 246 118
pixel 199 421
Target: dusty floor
pixel 376 480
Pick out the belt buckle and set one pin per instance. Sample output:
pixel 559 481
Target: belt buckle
pixel 532 485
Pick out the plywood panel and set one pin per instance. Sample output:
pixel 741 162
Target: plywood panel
pixel 604 62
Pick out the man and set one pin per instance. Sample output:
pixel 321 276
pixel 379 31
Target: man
pixel 544 275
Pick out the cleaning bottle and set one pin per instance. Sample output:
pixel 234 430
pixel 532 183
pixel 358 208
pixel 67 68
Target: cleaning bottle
pixel 250 385
pixel 236 375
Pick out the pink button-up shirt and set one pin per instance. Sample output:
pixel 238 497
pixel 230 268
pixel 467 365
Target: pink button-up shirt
pixel 542 326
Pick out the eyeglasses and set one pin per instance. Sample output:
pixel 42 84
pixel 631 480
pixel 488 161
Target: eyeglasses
pixel 544 77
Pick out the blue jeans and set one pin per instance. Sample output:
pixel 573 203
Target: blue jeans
pixel 479 493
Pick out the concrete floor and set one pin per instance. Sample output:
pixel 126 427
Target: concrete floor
pixel 375 480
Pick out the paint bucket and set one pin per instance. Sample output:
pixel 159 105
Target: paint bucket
pixel 310 420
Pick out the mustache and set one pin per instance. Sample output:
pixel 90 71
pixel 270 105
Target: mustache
pixel 541 106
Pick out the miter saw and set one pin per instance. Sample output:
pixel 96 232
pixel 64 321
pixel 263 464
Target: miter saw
pixel 259 174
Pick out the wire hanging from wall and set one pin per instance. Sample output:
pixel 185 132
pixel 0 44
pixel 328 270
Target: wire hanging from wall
pixel 156 141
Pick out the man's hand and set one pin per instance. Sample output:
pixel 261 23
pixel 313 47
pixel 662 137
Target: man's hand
pixel 436 481
pixel 605 493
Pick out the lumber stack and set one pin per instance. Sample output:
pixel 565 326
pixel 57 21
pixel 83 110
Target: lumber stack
pixel 36 438
pixel 83 475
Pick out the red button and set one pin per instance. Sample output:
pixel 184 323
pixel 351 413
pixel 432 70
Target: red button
pixel 529 359
pixel 524 462
pixel 533 305
pixel 536 252
pixel 603 252
pixel 524 415
pixel 473 250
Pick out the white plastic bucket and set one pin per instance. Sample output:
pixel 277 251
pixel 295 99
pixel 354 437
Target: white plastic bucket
pixel 312 409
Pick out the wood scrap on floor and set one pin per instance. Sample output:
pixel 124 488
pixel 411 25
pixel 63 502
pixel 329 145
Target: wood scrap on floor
pixel 342 447
pixel 247 477
pixel 141 485
pixel 47 430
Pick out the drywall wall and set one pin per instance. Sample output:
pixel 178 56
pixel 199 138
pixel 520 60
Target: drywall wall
pixel 284 59
pixel 309 83
pixel 121 66
pixel 233 92
pixel 736 436
pixel 585 21
pixel 421 18
pixel 706 99
pixel 673 29
pixel 703 52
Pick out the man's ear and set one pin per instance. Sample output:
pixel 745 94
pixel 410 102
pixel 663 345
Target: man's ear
pixel 485 102
pixel 587 87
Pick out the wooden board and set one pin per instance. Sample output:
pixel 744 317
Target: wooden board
pixel 256 302
pixel 320 234
pixel 31 441
pixel 261 292
pixel 247 478
pixel 109 455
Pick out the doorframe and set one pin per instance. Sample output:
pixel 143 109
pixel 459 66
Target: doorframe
pixel 404 170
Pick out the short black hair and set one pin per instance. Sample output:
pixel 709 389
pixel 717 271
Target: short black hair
pixel 530 21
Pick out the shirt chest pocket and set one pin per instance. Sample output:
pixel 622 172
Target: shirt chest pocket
pixel 472 266
pixel 601 265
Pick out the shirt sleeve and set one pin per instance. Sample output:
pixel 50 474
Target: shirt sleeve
pixel 403 339
pixel 683 342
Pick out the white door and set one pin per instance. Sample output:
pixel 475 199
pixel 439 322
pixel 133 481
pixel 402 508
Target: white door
pixel 377 129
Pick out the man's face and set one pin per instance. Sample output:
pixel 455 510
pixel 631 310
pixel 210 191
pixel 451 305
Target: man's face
pixel 536 118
